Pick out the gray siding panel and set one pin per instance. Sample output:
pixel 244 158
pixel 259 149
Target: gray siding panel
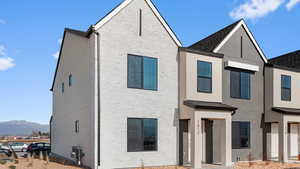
pixel 248 110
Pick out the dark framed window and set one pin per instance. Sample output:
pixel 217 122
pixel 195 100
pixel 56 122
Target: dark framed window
pixel 142 72
pixel 240 84
pixel 285 88
pixel 141 134
pixel 77 126
pixel 63 87
pixel 241 135
pixel 70 80
pixel 204 77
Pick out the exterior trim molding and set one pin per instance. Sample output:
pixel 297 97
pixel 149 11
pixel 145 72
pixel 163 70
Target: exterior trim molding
pixel 239 65
pixel 243 24
pixel 218 55
pixel 119 8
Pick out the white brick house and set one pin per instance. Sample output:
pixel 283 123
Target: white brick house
pixel 100 93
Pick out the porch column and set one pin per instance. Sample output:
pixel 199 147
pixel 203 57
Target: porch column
pixel 226 142
pixel 283 141
pixel 196 151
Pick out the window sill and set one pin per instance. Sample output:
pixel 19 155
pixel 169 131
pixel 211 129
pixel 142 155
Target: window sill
pixel 142 89
pixel 204 92
pixel 144 151
pixel 240 98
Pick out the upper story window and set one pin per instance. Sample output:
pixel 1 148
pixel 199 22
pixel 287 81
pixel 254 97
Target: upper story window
pixel 63 87
pixel 70 80
pixel 285 88
pixel 204 77
pixel 142 72
pixel 141 134
pixel 240 84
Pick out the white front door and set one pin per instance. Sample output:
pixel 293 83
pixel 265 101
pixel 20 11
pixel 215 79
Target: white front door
pixel 274 140
pixel 293 138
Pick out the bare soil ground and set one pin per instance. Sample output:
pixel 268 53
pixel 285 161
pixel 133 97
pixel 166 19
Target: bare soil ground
pixel 266 165
pixel 165 167
pixel 35 164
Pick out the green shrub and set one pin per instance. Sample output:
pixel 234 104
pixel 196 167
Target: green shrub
pixel 12 167
pixel 3 162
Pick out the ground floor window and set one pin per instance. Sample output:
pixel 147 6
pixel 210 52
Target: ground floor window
pixel 141 134
pixel 240 135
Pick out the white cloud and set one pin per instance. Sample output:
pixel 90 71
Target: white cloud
pixel 2 21
pixel 5 62
pixel 56 55
pixel 59 41
pixel 254 9
pixel 291 4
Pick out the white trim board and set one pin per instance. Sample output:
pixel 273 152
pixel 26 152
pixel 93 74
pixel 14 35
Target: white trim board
pixel 152 7
pixel 243 66
pixel 241 23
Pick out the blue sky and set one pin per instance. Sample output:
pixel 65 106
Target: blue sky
pixel 31 30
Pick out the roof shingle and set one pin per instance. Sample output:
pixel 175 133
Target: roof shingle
pixel 209 43
pixel 289 60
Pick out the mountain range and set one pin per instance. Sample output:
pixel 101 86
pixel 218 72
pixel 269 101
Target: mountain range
pixel 21 128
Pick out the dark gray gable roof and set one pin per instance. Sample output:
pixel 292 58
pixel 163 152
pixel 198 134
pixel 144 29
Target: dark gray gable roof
pixel 209 43
pixel 289 60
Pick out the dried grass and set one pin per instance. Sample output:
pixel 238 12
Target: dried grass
pixel 266 165
pixel 36 164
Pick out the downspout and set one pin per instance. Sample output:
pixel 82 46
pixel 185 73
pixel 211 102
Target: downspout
pixel 264 115
pixel 98 117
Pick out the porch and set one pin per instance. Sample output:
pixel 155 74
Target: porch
pixel 208 136
pixel 284 138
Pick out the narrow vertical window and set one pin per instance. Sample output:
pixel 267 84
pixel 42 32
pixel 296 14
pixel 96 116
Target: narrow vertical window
pixel 140 21
pixel 285 88
pixel 241 46
pixel 204 77
pixel 70 80
pixel 63 87
pixel 77 126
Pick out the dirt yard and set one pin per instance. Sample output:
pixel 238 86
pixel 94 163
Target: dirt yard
pixel 34 164
pixel 266 165
pixel 166 167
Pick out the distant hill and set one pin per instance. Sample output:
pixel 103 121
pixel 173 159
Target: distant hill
pixel 21 128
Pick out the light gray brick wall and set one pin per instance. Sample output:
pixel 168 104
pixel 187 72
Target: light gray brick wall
pixel 119 37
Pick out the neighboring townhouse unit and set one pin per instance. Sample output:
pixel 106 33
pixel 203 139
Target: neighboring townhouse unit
pixel 227 96
pixel 282 109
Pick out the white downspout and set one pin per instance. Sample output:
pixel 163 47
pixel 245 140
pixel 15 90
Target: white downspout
pixel 97 101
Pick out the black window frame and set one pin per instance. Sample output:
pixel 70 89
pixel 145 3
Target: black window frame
pixel 204 77
pixel 240 84
pixel 286 88
pixel 237 136
pixel 77 126
pixel 142 135
pixel 142 73
pixel 70 80
pixel 62 87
